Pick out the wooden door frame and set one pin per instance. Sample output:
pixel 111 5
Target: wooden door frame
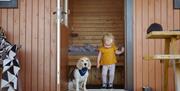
pixel 58 43
pixel 128 8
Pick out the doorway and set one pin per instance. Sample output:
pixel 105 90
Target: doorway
pixel 88 21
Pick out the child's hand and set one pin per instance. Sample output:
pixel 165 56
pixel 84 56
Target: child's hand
pixel 98 65
pixel 122 49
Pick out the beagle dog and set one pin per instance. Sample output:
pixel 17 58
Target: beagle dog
pixel 79 76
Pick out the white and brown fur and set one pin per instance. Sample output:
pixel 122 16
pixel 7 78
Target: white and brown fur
pixel 78 82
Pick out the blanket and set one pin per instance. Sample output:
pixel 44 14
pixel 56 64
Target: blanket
pixel 10 65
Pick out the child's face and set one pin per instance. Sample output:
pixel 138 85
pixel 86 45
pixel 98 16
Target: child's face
pixel 108 42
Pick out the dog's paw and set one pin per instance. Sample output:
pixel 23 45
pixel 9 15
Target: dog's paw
pixel 85 90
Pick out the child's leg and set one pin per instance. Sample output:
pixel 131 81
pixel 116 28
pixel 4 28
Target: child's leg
pixel 111 73
pixel 104 73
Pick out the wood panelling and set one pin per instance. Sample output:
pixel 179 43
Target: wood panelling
pixel 53 69
pixel 64 57
pixel 33 26
pixel 95 18
pixel 150 73
pixel 145 49
pixel 151 19
pixel 158 49
pixel 74 60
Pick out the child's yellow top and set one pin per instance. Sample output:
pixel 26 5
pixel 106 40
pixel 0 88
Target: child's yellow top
pixel 108 56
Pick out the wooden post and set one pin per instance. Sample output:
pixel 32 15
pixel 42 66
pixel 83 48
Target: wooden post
pixel 177 77
pixel 166 64
pixel 175 66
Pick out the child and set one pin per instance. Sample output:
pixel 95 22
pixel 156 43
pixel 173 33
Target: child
pixel 107 59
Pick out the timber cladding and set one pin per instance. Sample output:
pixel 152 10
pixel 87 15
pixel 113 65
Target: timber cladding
pixel 33 25
pixel 90 20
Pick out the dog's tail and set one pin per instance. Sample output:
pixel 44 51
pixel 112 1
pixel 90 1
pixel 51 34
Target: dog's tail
pixel 71 77
pixel 71 74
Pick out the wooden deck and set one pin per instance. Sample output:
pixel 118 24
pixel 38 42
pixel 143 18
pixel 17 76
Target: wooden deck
pixel 106 90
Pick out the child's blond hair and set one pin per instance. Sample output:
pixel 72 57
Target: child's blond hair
pixel 108 36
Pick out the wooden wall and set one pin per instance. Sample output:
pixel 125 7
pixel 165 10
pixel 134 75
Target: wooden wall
pixel 90 19
pixel 150 73
pixel 33 26
pixel 64 57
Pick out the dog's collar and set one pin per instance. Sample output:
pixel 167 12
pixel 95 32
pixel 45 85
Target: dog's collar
pixel 83 71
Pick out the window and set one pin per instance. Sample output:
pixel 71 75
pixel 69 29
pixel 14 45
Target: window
pixel 8 3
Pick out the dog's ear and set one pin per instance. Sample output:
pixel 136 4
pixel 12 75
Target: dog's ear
pixel 79 64
pixel 89 64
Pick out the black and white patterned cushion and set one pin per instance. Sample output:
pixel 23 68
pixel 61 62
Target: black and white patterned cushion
pixel 10 66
